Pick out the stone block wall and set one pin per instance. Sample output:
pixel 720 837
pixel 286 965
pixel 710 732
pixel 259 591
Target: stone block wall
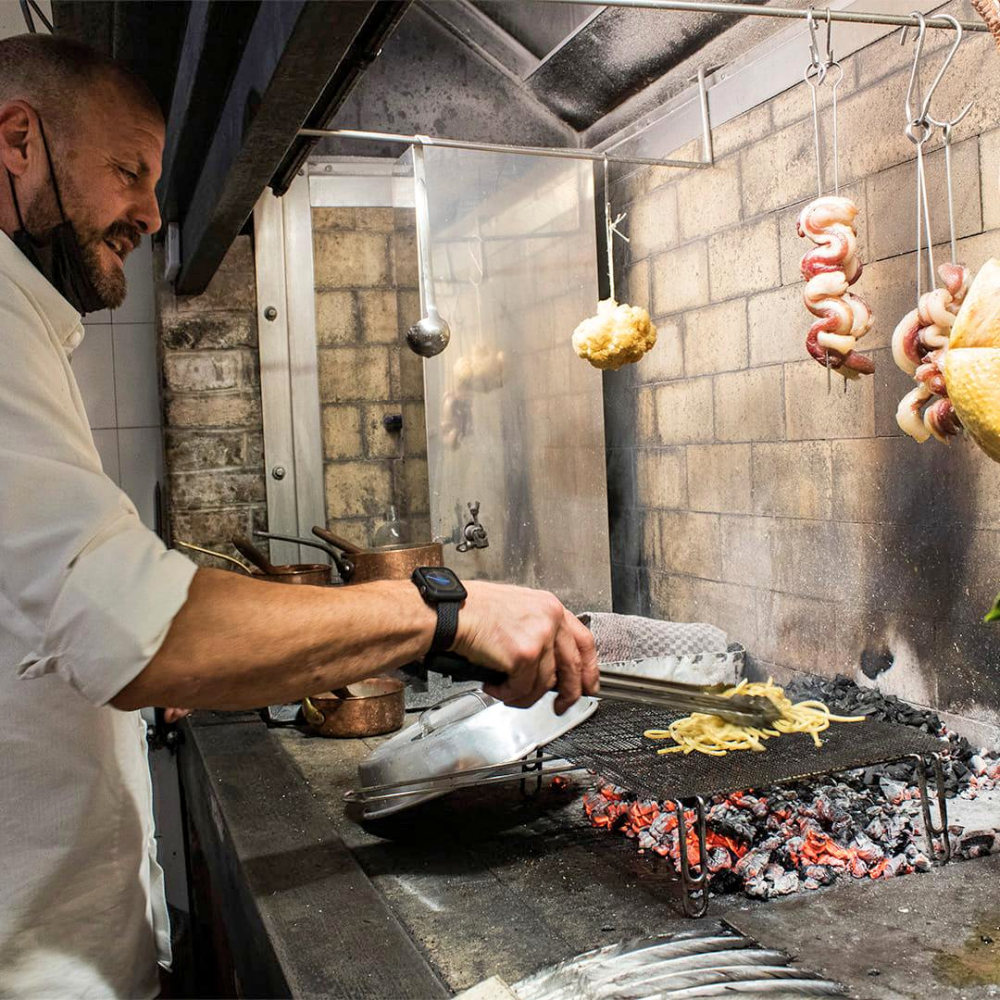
pixel 365 262
pixel 805 523
pixel 214 444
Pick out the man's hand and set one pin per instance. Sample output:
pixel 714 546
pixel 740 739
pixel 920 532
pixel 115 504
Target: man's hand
pixel 530 636
pixel 172 715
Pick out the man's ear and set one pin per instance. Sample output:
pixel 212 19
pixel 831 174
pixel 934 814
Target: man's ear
pixel 17 121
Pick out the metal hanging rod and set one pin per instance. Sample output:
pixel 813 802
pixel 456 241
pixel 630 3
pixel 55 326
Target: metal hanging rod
pixel 489 147
pixel 856 17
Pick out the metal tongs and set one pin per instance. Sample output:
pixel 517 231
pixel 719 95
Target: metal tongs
pixel 742 710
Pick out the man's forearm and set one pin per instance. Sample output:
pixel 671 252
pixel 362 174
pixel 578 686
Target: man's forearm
pixel 240 643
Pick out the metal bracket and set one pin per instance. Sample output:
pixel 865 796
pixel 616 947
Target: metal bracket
pixel 707 149
pixel 930 829
pixel 536 766
pixel 694 888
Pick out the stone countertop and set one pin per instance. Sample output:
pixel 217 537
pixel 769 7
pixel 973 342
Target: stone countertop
pixel 489 882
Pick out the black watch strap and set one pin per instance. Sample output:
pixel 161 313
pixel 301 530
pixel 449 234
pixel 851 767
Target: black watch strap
pixel 447 627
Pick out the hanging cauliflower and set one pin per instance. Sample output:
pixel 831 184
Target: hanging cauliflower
pixel 618 335
pixel 972 362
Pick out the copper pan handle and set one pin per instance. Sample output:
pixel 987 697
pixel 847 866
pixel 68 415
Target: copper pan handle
pixel 312 714
pixel 248 550
pixel 218 555
pixel 350 548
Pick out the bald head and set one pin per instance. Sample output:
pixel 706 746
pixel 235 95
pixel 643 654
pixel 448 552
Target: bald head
pixel 52 74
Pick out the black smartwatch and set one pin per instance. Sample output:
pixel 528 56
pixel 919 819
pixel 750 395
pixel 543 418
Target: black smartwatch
pixel 443 590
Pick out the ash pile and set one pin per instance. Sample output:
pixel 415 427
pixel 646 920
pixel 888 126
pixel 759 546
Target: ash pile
pixel 863 824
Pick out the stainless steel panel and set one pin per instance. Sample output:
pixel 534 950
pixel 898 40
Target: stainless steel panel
pixel 275 387
pixel 514 418
pixel 307 431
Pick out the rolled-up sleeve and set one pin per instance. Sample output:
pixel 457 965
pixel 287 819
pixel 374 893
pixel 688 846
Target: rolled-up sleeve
pixel 93 589
pixel 112 612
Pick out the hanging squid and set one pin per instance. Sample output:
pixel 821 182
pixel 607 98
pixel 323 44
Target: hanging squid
pixel 830 268
pixel 919 343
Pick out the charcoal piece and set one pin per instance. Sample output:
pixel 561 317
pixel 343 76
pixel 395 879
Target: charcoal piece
pixel 719 859
pixel 977 838
pixel 782 882
pixel 892 790
pixel 752 864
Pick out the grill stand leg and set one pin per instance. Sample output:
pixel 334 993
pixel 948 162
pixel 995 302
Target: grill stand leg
pixel 694 888
pixel 930 829
pixel 528 767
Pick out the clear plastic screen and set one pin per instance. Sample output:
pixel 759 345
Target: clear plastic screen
pixel 514 417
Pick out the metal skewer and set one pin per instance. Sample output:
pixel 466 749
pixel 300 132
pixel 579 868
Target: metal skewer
pixel 611 231
pixel 815 75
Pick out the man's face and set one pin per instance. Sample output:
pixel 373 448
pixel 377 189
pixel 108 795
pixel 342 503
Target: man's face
pixel 107 171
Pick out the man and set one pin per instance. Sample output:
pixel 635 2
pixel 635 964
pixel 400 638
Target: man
pixel 96 617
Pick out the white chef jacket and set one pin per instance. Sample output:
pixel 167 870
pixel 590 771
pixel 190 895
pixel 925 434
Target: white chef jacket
pixel 87 594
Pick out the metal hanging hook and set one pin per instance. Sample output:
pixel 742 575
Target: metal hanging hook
pixel 815 72
pixel 947 125
pixel 913 88
pixel 924 121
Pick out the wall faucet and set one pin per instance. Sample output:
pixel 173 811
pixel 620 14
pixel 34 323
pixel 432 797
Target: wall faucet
pixel 473 534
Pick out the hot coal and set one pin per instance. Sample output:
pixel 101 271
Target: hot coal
pixel 860 824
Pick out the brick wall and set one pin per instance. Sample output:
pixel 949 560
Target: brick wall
pixel 366 298
pixel 806 524
pixel 212 416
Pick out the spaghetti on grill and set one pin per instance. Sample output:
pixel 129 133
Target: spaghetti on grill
pixel 711 735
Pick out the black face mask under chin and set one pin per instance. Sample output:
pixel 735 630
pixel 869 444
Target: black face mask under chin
pixel 57 254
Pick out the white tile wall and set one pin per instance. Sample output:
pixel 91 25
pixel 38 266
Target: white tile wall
pixel 93 366
pixel 140 455
pixel 135 373
pixel 116 368
pixel 140 305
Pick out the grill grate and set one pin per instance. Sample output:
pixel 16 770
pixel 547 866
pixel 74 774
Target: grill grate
pixel 611 743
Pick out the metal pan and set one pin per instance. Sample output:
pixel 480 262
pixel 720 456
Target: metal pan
pixel 366 708
pixel 344 566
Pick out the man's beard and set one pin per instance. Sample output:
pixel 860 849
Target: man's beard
pixel 109 283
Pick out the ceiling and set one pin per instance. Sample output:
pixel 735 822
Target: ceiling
pixel 533 72
pixel 238 78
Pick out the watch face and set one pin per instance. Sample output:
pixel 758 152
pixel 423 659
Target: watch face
pixel 443 578
pixel 440 583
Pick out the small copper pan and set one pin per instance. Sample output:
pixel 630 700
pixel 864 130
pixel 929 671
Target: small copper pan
pixel 365 708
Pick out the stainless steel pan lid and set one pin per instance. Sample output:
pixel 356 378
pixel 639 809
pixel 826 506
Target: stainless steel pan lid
pixel 471 730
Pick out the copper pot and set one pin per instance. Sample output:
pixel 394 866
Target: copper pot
pixel 390 562
pixel 366 708
pixel 316 574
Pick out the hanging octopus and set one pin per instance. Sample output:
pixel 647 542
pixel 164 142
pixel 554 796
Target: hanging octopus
pixel 830 269
pixel 919 343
